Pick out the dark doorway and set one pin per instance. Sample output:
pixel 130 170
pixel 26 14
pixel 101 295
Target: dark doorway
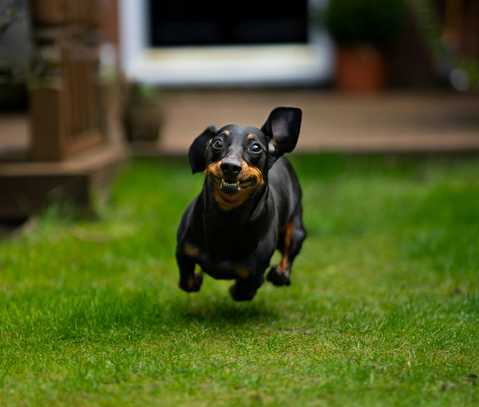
pixel 176 23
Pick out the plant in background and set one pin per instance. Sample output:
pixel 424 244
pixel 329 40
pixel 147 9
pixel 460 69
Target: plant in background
pixel 11 66
pixel 14 54
pixel 365 22
pixel 466 76
pixel 10 12
pixel 142 113
pixel 361 28
pixel 460 70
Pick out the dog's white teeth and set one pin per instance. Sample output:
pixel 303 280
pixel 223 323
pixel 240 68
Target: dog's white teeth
pixel 229 184
pixel 229 187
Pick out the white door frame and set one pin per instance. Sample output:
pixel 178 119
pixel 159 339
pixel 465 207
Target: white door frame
pixel 228 65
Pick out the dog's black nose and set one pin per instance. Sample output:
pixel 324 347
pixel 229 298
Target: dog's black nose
pixel 231 168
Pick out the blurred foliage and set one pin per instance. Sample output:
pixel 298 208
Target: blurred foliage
pixel 428 24
pixel 471 68
pixel 13 65
pixel 371 22
pixel 143 91
pixel 462 72
pixel 10 11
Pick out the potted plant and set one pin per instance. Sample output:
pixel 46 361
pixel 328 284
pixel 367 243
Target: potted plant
pixel 142 114
pixel 14 55
pixel 361 30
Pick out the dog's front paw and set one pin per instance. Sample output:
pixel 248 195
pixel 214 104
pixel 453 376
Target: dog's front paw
pixel 191 283
pixel 278 277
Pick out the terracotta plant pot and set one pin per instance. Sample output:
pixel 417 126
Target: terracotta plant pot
pixel 143 122
pixel 360 70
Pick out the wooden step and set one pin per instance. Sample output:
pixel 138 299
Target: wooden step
pixel 28 187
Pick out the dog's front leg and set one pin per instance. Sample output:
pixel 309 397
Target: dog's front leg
pixel 250 277
pixel 189 280
pixel 244 289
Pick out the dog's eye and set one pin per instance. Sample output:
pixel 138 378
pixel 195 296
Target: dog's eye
pixel 255 148
pixel 217 144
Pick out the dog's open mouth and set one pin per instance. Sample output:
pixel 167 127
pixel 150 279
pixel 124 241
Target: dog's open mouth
pixel 234 187
pixel 229 187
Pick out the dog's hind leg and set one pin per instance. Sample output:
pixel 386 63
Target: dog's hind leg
pixel 290 245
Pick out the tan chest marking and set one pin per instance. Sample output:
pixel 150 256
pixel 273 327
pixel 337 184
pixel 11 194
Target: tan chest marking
pixel 190 250
pixel 243 272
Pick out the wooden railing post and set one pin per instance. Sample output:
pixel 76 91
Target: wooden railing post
pixel 66 98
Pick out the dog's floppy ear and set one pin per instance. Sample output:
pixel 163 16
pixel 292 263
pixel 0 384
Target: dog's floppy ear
pixel 282 129
pixel 197 152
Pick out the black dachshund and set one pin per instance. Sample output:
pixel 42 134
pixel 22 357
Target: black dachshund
pixel 250 205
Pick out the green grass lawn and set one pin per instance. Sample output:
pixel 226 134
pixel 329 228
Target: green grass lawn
pixel 383 310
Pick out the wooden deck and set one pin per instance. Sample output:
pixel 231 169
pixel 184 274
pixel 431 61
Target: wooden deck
pixel 27 186
pixel 14 137
pixel 391 122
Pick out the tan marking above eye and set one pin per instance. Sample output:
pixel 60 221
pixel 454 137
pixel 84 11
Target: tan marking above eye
pixel 226 132
pixel 251 136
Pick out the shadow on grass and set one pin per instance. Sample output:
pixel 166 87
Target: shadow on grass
pixel 78 316
pixel 225 312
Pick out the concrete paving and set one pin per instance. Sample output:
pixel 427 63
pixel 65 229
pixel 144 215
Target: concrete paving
pixel 390 122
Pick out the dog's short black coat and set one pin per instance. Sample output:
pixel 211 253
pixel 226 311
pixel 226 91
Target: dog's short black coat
pixel 250 205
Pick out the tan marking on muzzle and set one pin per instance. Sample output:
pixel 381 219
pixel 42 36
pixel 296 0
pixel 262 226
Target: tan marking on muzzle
pixel 251 172
pixel 248 173
pixel 214 169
